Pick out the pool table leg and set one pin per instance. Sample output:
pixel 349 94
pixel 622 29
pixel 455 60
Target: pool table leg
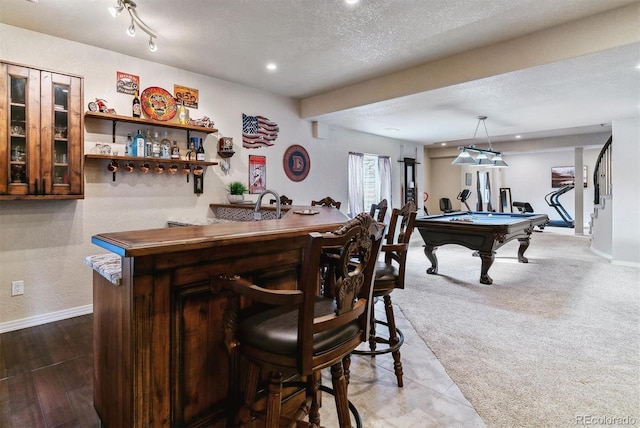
pixel 430 252
pixel 524 244
pixel 487 261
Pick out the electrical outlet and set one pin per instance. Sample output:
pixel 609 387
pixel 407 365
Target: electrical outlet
pixel 17 288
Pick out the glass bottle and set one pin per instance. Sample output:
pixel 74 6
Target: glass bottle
pixel 183 114
pixel 175 150
pixel 155 146
pixel 128 149
pixel 139 145
pixel 191 154
pixel 148 144
pixel 165 146
pixel 200 153
pixel 137 109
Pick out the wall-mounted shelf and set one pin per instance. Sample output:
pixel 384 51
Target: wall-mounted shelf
pixel 115 118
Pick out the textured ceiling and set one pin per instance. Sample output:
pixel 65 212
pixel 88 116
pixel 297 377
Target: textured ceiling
pixel 325 45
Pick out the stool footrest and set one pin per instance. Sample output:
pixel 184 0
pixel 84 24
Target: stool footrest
pixel 384 350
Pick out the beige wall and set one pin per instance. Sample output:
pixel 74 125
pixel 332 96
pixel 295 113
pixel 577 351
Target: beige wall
pixel 44 243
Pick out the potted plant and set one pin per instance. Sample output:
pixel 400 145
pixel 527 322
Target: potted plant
pixel 236 190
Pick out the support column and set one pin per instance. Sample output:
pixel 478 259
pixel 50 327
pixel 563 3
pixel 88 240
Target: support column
pixel 578 220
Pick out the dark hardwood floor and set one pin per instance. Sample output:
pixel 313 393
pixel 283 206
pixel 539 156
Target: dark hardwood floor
pixel 46 375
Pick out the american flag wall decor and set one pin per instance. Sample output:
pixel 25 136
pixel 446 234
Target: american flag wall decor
pixel 258 131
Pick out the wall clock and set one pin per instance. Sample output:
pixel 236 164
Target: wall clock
pixel 296 163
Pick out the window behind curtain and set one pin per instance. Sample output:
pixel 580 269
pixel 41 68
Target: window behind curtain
pixel 369 181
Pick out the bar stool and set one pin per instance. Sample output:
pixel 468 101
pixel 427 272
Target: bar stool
pixel 389 276
pixel 306 330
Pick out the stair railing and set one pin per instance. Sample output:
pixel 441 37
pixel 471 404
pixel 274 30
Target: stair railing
pixel 602 173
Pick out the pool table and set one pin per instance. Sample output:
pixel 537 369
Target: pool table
pixel 484 232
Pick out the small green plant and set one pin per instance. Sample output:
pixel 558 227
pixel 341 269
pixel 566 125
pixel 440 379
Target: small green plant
pixel 236 188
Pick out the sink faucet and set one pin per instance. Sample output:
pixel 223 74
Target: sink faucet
pixel 256 209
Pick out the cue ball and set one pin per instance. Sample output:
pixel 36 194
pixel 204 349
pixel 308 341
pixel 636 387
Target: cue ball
pixel 490 215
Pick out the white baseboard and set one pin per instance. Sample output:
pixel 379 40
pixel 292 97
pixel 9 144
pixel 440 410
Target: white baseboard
pixel 45 318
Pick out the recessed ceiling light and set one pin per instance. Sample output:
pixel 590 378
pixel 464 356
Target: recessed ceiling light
pixel 351 1
pixel 443 144
pixel 271 66
pixel 518 136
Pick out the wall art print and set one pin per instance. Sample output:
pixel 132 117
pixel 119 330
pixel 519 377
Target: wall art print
pixel 566 176
pixel 257 174
pixel 258 131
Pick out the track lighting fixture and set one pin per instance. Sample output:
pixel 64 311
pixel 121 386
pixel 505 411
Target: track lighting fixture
pixel 130 7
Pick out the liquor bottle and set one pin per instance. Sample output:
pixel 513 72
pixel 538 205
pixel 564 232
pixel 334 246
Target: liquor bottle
pixel 137 109
pixel 148 144
pixel 200 153
pixel 191 154
pixel 165 146
pixel 155 146
pixel 128 149
pixel 138 145
pixel 175 150
pixel 183 114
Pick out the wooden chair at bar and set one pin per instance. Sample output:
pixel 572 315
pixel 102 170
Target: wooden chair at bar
pixel 283 200
pixel 307 330
pixel 379 210
pixel 327 202
pixel 389 276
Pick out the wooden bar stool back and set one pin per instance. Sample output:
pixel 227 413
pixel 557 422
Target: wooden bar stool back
pixel 283 201
pixel 327 202
pixel 389 276
pixel 307 330
pixel 378 211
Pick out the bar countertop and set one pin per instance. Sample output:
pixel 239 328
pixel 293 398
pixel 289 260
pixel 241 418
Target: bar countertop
pixel 166 240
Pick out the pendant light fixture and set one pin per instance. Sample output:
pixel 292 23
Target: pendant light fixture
pixel 130 7
pixel 488 158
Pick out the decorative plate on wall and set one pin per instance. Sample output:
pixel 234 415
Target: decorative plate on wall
pixel 158 104
pixel 296 163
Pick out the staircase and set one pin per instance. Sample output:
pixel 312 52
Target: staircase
pixel 600 225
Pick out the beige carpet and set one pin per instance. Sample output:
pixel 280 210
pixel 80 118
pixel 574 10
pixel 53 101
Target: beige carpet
pixel 551 343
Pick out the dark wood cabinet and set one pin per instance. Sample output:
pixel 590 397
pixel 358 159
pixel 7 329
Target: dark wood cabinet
pixel 41 134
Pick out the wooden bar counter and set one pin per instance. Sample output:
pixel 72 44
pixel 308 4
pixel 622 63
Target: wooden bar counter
pixel 159 352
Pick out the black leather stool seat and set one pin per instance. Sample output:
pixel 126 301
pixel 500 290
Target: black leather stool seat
pixel 276 330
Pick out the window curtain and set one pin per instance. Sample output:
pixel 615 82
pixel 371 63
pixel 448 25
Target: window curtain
pixel 356 192
pixel 384 166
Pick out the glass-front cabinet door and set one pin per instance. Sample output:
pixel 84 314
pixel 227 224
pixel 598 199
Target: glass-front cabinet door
pixel 60 137
pixel 41 149
pixel 20 95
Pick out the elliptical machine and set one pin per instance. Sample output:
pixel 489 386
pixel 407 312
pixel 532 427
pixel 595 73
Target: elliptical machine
pixel 463 196
pixel 552 201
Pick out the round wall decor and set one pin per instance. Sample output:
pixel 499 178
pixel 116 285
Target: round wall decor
pixel 158 104
pixel 296 163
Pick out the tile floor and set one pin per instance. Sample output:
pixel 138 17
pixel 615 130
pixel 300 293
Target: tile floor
pixel 429 397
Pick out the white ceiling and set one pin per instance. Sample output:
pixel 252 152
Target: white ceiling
pixel 326 45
